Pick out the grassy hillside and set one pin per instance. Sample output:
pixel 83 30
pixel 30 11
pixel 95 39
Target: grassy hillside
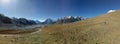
pixel 104 29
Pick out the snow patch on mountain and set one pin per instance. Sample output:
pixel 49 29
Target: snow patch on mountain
pixel 111 11
pixel 67 17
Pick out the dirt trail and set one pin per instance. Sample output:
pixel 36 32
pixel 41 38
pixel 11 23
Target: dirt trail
pixel 17 35
pixel 36 31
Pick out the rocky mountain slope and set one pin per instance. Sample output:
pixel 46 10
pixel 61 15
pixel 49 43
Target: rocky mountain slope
pixel 63 20
pixel 10 22
pixel 69 19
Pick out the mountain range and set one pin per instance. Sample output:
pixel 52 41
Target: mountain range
pixel 63 20
pixel 19 22
pixel 6 21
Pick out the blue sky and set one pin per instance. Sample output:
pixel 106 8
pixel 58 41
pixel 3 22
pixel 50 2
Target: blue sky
pixel 43 9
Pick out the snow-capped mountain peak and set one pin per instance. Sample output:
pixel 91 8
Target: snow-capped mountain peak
pixel 111 11
pixel 67 17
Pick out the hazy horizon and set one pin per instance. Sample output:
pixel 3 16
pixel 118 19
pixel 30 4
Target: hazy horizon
pixel 43 9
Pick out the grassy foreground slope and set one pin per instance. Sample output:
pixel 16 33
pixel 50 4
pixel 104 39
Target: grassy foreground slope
pixel 104 29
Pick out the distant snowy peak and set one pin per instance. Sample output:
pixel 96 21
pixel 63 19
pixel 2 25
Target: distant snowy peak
pixel 77 16
pixel 48 21
pixel 111 11
pixel 67 17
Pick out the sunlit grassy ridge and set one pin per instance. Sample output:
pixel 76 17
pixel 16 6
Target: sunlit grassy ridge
pixel 104 29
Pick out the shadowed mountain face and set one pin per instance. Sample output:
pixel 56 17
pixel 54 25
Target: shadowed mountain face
pixel 69 19
pixel 15 21
pixel 5 20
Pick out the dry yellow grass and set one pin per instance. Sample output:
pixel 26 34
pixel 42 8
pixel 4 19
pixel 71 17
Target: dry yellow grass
pixel 103 29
